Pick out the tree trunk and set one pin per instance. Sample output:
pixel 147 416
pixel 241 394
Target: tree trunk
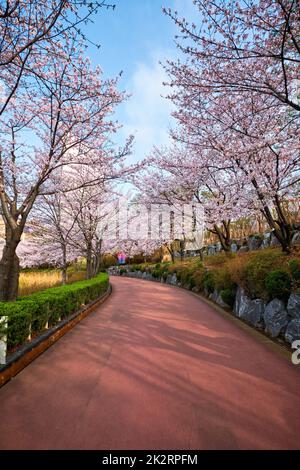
pixel 95 265
pixel 182 247
pixel 89 263
pixel 281 227
pixel 64 276
pixel 284 226
pixel 223 234
pixel 98 264
pixel 171 252
pixel 9 270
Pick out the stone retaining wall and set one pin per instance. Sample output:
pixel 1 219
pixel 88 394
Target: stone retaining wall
pixel 274 317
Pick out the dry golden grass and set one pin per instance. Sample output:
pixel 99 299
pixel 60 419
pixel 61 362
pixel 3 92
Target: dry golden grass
pixel 33 281
pixel 76 276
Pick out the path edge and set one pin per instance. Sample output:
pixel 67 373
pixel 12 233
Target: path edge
pixel 284 350
pixel 29 352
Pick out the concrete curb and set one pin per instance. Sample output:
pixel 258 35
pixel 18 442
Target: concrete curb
pixel 24 356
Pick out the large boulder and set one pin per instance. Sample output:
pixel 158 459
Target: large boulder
pixel 266 240
pixel 243 249
pixel 293 330
pixel 218 247
pixel 255 312
pixel 275 317
pixel 216 297
pixel 265 244
pixel 293 306
pixel 113 271
pixel 249 310
pixel 254 243
pixel 206 292
pixel 136 274
pixel 173 279
pixel 234 248
pixel 296 238
pixel 241 303
pixel 274 241
pixel 211 249
pixel 145 276
pixel 221 302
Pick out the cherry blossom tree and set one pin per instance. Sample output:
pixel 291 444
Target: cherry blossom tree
pixel 241 46
pixel 144 248
pixel 30 29
pixel 254 144
pixel 237 103
pixel 51 234
pixel 90 208
pixel 179 176
pixel 66 111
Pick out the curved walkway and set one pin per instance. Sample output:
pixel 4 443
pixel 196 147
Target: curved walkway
pixel 156 368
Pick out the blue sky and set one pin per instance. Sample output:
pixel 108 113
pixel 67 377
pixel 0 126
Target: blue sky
pixel 134 38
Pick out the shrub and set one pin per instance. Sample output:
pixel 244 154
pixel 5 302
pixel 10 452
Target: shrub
pixel 198 278
pixel 185 275
pixel 156 273
pixel 257 269
pixel 222 278
pixel 278 284
pixel 165 268
pixel 136 267
pixel 294 266
pixel 219 258
pixel 122 271
pixel 185 278
pixel 209 282
pixel 228 296
pixel 257 236
pixel 31 313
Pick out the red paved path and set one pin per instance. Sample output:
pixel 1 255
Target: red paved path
pixel 154 367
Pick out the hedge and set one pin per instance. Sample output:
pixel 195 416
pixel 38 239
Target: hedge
pixel 30 314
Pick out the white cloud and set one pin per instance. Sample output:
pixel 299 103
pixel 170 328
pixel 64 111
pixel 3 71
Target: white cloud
pixel 147 114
